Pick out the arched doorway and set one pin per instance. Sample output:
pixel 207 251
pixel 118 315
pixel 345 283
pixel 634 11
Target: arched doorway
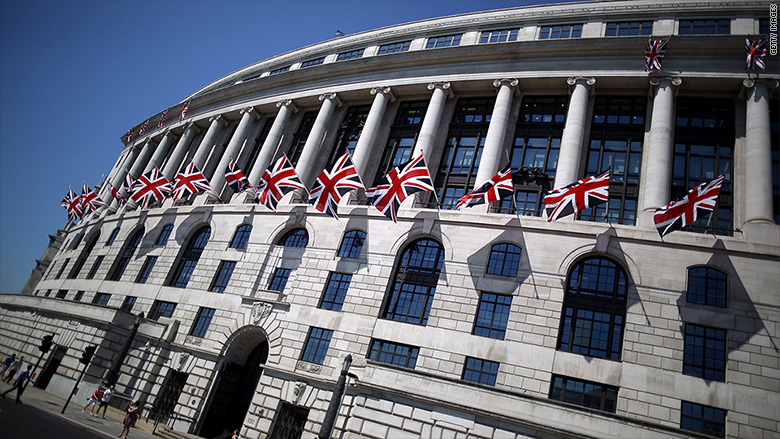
pixel 236 382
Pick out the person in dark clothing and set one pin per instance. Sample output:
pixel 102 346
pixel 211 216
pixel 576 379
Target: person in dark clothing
pixel 19 384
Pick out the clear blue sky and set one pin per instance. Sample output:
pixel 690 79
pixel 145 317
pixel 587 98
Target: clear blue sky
pixel 75 76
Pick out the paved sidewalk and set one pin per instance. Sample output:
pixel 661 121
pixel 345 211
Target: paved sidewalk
pixel 109 427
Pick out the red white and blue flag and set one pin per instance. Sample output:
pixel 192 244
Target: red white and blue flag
pixel 276 182
pixel 184 109
pixel 162 118
pixel 127 186
pixel 498 187
pixel 90 201
pixel 654 53
pixel 150 187
pixel 116 194
pixel 143 128
pixel 686 208
pixel 398 184
pixel 576 197
pixel 756 54
pixel 72 204
pixel 332 184
pixel 129 135
pixel 235 178
pixel 188 182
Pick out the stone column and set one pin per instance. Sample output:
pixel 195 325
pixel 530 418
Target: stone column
pixel 305 167
pixel 160 152
pixel 174 162
pixel 119 176
pixel 574 132
pixel 656 180
pixel 758 152
pixel 216 124
pixel 271 141
pixel 373 122
pixel 494 140
pixel 430 125
pixel 143 158
pixel 248 115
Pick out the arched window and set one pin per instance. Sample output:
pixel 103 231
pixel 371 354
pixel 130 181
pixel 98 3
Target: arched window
pixel 83 257
pixel 189 259
pixel 707 285
pixel 594 309
pixel 352 244
pixel 416 275
pixel 504 259
pixel 126 255
pixel 164 235
pixel 294 238
pixel 77 241
pixel 241 237
pixel 113 236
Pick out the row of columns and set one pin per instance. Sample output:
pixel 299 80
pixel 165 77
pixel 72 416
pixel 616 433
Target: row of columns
pixel 655 182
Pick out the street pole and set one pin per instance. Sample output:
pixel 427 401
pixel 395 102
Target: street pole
pixel 113 372
pixel 75 386
pixel 329 422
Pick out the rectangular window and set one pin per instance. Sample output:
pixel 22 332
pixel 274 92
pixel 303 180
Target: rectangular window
pixel 589 333
pixel 316 347
pixel 350 55
pixel 161 309
pixel 101 299
pixel 629 28
pixel 395 354
pixel 705 352
pixel 202 322
pixel 394 48
pixel 703 419
pixel 705 27
pixel 61 294
pixel 584 393
pixel 78 296
pixel 707 286
pixel 146 270
pixel 445 41
pixel 492 315
pixel 222 277
pixel 403 134
pixel 279 279
pixel 62 268
pixel 498 36
pixel 564 31
pixel 312 62
pixel 300 136
pixel 95 267
pixel 335 291
pixel 480 371
pixel 127 305
pixel 279 70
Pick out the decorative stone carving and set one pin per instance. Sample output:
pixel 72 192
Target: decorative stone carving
pixel 251 420
pixel 298 392
pixel 675 80
pixel 589 80
pixel 308 367
pixel 183 360
pixel 384 90
pixel 287 103
pixel 333 97
pixel 446 86
pixel 193 340
pixel 261 310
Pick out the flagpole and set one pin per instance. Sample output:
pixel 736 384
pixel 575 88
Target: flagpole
pixel 709 220
pixel 609 168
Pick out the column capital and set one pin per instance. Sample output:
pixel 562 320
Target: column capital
pixel 287 103
pixel 511 82
pixel 749 83
pixel 674 80
pixel 250 110
pixel 218 118
pixel 587 80
pixel 191 125
pixel 332 96
pixel 385 90
pixel 445 86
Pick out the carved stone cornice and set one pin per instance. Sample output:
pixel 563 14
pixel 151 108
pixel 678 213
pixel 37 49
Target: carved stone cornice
pixel 444 86
pixel 332 96
pixel 287 103
pixel 385 90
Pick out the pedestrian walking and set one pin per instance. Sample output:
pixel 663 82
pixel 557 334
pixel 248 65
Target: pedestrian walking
pixel 92 400
pixel 7 363
pixel 130 418
pixel 13 369
pixel 105 400
pixel 19 384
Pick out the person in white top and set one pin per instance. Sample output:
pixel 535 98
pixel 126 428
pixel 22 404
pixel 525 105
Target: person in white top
pixel 105 400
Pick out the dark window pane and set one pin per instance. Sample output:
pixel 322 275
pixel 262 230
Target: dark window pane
pixel 317 344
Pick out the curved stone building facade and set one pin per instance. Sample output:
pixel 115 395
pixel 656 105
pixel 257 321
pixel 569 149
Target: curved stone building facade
pixel 486 322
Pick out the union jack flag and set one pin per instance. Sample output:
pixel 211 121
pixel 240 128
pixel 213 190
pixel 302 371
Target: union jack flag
pixel 90 201
pixel 654 53
pixel 576 197
pixel 116 194
pixel 188 182
pixel 162 118
pixel 498 187
pixel 129 135
pixel 184 110
pixel 398 184
pixel 332 185
pixel 150 187
pixel 235 178
pixel 72 203
pixel 275 184
pixel 685 209
pixel 756 54
pixel 143 128
pixel 127 186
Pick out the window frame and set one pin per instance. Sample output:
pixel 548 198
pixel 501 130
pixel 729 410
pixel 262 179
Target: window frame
pixel 222 276
pixel 146 270
pixel 445 40
pixel 241 237
pixel 702 419
pixel 333 300
pixel 376 349
pixel 546 31
pixel 101 299
pixel 296 240
pixel 112 237
pixel 708 298
pixel 188 261
pixel 688 27
pixel 165 233
pixel 391 48
pixel 202 321
pixel 698 364
pixel 413 305
pixel 469 371
pixel 275 280
pixel 507 268
pixel 312 351
pixel 348 241
pixel 497 321
pixel 127 304
pixel 351 54
pixel 95 266
pixel 644 28
pixel 160 308
pixel 487 36
pixel 126 255
pixel 564 380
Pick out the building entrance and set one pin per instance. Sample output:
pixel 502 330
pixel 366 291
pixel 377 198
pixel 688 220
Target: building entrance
pixel 51 367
